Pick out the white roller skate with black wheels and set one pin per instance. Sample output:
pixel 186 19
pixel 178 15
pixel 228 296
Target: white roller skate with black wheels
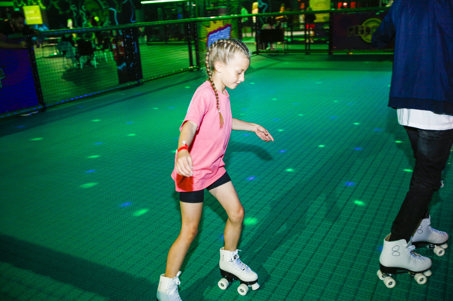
pixel 399 257
pixel 430 237
pixel 232 268
pixel 168 288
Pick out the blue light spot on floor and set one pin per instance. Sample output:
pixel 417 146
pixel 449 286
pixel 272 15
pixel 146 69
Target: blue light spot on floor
pixel 90 171
pixel 377 130
pixel 358 148
pixel 349 184
pixel 251 178
pixel 282 151
pixel 333 117
pixel 98 143
pixel 125 204
pixel 129 122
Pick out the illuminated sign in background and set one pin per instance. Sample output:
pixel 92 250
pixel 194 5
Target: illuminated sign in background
pixel 33 15
pixel 354 31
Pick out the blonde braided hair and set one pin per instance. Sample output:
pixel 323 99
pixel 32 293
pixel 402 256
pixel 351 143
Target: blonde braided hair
pixel 222 51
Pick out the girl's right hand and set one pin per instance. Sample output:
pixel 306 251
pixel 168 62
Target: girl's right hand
pixel 183 163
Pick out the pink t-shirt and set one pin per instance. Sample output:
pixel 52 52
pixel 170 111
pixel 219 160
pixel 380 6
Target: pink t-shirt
pixel 210 141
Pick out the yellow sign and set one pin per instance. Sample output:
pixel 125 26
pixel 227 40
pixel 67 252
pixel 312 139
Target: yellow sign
pixel 32 14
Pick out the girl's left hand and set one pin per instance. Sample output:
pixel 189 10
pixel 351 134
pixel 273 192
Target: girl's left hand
pixel 263 133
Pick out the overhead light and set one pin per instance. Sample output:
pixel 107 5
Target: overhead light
pixel 160 1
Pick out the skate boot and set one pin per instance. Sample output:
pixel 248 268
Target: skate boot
pixel 399 257
pixel 432 238
pixel 168 288
pixel 232 268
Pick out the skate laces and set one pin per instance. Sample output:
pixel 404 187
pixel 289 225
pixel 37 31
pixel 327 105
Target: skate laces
pixel 238 262
pixel 411 249
pixel 176 279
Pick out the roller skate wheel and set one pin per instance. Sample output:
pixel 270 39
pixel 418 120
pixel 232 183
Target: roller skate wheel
pixel 439 251
pixel 444 246
pixel 427 273
pixel 243 289
pixel 389 282
pixel 223 284
pixel 379 274
pixel 255 286
pixel 420 278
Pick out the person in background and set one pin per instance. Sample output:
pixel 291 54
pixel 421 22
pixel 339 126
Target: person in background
pixel 422 94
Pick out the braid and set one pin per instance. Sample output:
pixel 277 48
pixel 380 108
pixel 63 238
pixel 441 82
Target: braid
pixel 222 50
pixel 208 70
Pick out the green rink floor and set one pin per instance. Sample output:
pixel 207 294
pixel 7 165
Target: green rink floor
pixel 88 209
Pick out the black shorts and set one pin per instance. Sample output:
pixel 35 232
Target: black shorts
pixel 198 196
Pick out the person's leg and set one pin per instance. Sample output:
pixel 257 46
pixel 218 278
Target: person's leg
pixel 228 198
pixel 190 219
pixel 167 289
pixel 230 265
pixel 431 151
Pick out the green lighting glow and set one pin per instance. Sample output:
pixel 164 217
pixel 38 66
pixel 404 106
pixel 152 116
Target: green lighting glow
pixel 249 221
pixel 359 203
pixel 155 108
pixel 321 146
pixel 335 101
pixel 140 212
pixel 274 98
pixel 37 139
pixel 407 170
pixel 300 115
pixel 187 87
pixel 93 157
pixel 356 123
pixel 281 130
pixel 96 120
pixel 252 83
pixel 88 185
pixel 289 170
pixel 132 135
pixel 398 141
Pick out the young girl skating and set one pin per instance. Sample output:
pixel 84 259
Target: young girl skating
pixel 199 164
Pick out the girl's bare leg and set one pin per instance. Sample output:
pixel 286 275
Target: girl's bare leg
pixel 228 198
pixel 190 219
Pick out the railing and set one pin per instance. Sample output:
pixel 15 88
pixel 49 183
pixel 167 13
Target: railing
pixel 73 64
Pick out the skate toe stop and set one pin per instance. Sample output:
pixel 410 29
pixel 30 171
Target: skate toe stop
pixel 255 286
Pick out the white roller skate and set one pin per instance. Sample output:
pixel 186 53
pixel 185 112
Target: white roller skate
pixel 432 238
pixel 168 288
pixel 399 257
pixel 232 268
